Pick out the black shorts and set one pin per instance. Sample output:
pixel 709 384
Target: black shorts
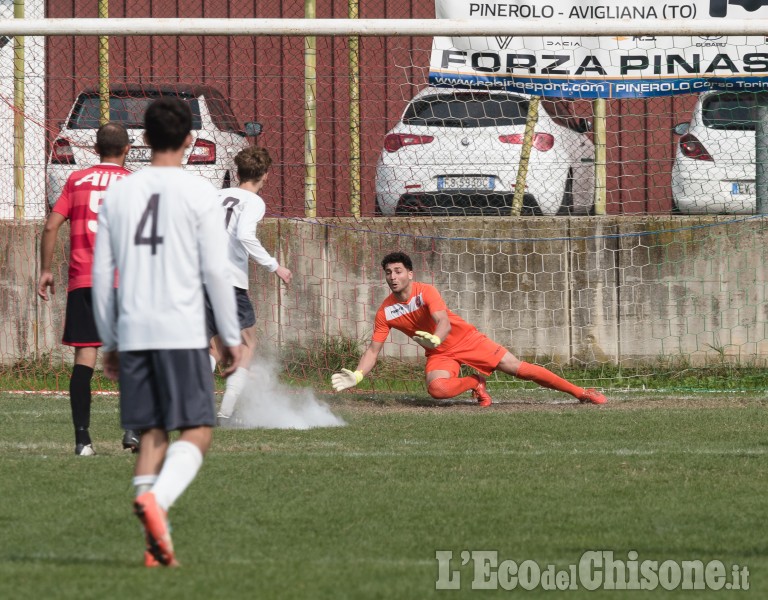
pixel 245 313
pixel 166 389
pixel 79 324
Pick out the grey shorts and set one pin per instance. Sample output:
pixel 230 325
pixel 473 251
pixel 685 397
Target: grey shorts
pixel 166 389
pixel 246 315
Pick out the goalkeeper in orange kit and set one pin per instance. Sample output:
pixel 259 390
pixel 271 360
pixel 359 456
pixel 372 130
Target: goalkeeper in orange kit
pixel 418 310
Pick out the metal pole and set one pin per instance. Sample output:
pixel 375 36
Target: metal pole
pixel 19 210
pixel 525 155
pixel 601 173
pixel 761 155
pixel 310 116
pixel 103 66
pixel 354 115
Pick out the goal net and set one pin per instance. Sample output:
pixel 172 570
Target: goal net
pixel 589 201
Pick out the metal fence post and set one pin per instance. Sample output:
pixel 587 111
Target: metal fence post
pixel 103 66
pixel 19 210
pixel 310 117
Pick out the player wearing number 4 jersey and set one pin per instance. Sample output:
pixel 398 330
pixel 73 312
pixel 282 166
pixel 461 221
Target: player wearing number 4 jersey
pixel 418 310
pixel 79 203
pixel 161 228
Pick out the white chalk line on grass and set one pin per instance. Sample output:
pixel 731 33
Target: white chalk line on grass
pixel 60 394
pixel 230 560
pixel 619 396
pixel 389 562
pixel 27 412
pixel 36 446
pixel 410 452
pixel 54 393
pixel 459 453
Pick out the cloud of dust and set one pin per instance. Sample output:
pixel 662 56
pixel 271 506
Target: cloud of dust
pixel 266 403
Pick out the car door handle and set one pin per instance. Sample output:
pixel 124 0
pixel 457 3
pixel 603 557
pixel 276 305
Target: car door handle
pixel 587 160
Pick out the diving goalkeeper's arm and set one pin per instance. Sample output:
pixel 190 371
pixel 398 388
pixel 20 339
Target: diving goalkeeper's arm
pixel 346 379
pixel 429 340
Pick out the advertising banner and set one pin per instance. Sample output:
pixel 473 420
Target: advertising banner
pixel 602 67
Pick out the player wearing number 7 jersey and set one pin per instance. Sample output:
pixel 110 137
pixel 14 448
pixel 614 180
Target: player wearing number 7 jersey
pixel 418 310
pixel 161 228
pixel 79 203
pixel 243 211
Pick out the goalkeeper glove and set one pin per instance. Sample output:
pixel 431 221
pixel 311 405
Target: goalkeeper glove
pixel 428 340
pixel 346 379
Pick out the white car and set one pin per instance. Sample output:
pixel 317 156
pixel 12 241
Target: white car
pixel 216 135
pixel 456 153
pixel 719 8
pixel 714 169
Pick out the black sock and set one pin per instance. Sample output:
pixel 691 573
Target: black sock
pixel 82 437
pixel 80 401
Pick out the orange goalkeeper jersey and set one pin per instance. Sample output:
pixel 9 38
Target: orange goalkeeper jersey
pixel 416 315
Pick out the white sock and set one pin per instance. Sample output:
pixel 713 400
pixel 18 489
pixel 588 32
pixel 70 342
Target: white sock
pixel 235 385
pixel 182 462
pixel 143 483
pixel 213 363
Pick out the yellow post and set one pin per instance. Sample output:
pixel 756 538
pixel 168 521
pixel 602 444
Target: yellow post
pixel 310 116
pixel 601 173
pixel 19 210
pixel 525 156
pixel 103 66
pixel 354 115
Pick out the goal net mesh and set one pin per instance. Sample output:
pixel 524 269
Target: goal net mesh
pixel 664 290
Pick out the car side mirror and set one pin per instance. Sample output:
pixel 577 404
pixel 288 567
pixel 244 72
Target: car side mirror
pixel 681 128
pixel 583 125
pixel 252 129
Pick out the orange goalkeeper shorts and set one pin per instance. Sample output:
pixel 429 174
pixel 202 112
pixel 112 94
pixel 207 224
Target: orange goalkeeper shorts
pixel 475 350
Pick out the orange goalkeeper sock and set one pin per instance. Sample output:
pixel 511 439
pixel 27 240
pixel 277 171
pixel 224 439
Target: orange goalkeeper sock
pixel 449 387
pixel 546 378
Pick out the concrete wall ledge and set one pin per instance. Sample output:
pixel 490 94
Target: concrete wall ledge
pixel 579 290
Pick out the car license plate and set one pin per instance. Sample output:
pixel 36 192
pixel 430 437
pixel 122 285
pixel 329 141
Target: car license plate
pixel 465 182
pixel 741 188
pixel 139 154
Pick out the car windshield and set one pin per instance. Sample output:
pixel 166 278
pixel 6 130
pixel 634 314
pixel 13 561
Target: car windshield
pixel 127 110
pixel 467 110
pixel 732 110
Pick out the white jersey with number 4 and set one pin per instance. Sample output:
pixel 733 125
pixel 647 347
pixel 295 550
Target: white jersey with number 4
pixel 243 212
pixel 162 229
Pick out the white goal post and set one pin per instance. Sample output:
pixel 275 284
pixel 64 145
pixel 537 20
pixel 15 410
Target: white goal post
pixel 382 27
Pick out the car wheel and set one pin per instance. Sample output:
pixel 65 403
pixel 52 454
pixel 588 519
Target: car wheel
pixel 675 210
pixel 718 8
pixel 566 208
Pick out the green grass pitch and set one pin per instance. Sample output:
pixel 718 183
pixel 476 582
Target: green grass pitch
pixel 358 512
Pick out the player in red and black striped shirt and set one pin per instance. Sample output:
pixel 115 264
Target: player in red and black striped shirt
pixel 79 204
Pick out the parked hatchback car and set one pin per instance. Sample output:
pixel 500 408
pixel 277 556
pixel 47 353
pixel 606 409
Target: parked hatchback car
pixel 456 152
pixel 216 135
pixel 714 168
